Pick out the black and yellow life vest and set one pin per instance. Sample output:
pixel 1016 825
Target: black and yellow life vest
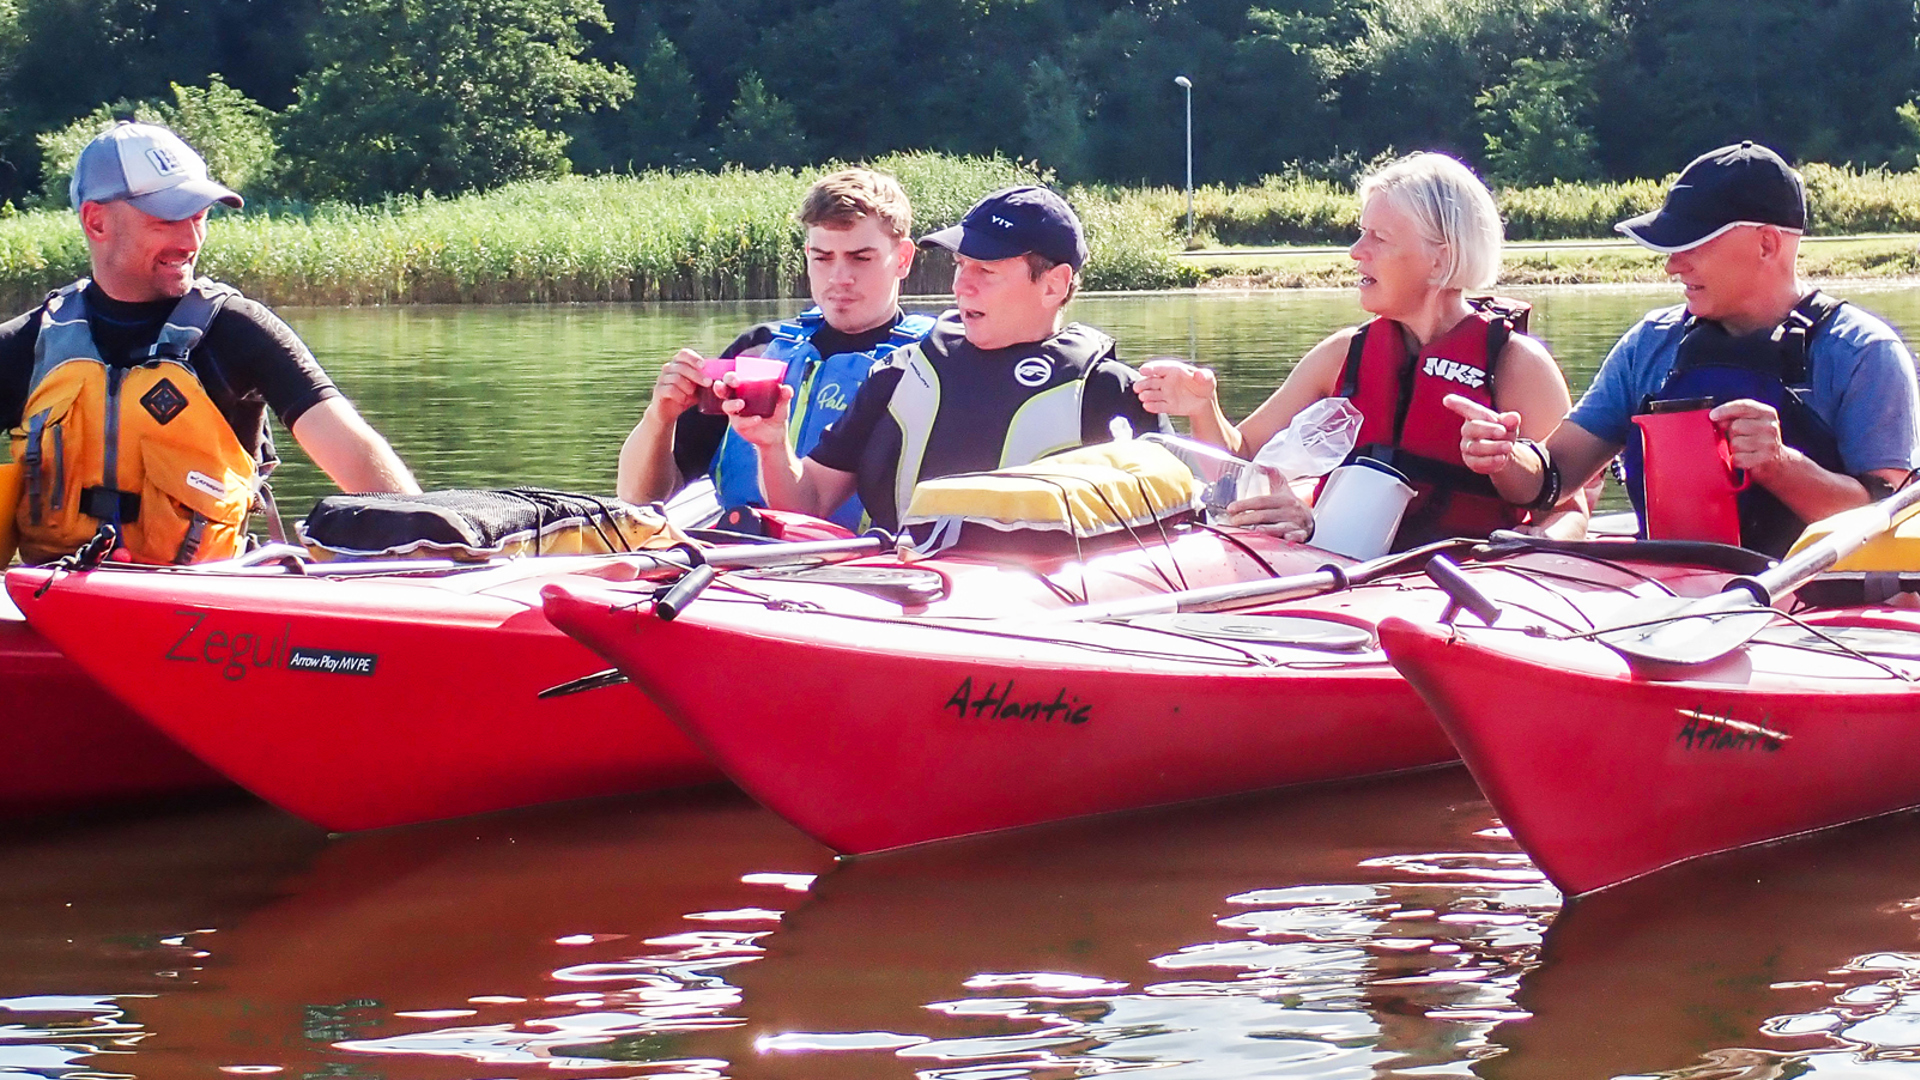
pixel 1043 401
pixel 143 447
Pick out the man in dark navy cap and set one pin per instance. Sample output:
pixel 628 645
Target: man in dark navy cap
pixel 1815 397
pixel 998 382
pixel 138 396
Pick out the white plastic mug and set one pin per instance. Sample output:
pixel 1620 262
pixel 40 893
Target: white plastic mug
pixel 1359 510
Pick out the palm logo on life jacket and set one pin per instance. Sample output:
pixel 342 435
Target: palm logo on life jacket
pixel 1769 366
pixel 142 447
pixel 1399 391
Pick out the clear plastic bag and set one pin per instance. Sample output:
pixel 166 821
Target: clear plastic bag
pixel 1319 439
pixel 1222 474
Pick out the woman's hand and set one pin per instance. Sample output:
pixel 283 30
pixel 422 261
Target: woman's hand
pixel 1176 388
pixel 1282 513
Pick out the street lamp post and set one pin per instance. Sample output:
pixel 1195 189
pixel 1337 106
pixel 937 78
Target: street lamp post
pixel 1186 84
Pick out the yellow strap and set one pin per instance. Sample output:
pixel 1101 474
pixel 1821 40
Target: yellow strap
pixel 10 480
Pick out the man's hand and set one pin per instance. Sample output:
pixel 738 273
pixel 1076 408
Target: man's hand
pixel 1175 387
pixel 678 386
pixel 1486 436
pixel 761 431
pixel 1281 513
pixel 1752 431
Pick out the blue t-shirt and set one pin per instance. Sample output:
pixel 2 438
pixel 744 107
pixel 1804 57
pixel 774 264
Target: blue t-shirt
pixel 1862 385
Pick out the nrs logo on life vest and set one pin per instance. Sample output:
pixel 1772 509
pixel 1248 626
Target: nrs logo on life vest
pixel 1033 371
pixel 1454 371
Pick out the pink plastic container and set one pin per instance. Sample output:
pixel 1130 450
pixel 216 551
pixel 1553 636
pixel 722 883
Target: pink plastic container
pixel 756 381
pixel 714 370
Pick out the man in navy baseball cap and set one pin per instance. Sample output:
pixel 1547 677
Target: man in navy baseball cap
pixel 1011 223
pixel 1000 381
pixel 1815 397
pixel 1746 184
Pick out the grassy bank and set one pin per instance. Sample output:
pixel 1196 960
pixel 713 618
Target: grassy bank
pixel 731 235
pixel 1561 264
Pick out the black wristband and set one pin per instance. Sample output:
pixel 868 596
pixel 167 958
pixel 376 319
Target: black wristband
pixel 1550 481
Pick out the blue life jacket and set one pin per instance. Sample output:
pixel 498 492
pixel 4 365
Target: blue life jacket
pixel 1768 366
pixel 823 390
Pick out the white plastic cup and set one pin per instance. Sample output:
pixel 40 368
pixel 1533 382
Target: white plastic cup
pixel 1359 510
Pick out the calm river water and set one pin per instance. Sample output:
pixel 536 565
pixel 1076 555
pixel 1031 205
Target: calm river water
pixel 1387 928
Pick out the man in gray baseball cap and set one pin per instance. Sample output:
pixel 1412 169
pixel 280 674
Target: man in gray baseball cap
pixel 147 354
pixel 149 167
pixel 1814 397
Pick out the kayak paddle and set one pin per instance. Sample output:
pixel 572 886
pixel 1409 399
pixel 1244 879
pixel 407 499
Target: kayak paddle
pixel 702 565
pixel 1688 631
pixel 1241 593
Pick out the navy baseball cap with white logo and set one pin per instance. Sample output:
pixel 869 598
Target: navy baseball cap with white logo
pixel 149 167
pixel 1010 223
pixel 1746 184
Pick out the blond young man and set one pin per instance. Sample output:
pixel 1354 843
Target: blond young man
pixel 858 252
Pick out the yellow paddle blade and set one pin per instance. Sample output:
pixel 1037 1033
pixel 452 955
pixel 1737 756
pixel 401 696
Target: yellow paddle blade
pixel 1895 549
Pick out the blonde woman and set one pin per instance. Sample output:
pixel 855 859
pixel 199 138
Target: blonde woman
pixel 1429 235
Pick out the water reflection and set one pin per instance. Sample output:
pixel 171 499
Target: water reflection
pixel 1800 959
pixel 1346 932
pixel 1378 929
pixel 577 937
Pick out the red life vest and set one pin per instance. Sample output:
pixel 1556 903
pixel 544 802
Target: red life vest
pixel 1404 424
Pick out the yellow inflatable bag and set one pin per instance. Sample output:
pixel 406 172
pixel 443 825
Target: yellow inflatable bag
pixel 1087 492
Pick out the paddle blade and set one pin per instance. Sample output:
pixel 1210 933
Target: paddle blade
pixel 596 681
pixel 1686 631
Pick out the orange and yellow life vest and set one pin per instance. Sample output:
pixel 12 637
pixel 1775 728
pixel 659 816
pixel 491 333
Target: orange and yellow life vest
pixel 143 447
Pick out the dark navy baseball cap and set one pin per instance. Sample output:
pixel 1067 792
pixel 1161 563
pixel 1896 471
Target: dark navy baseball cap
pixel 1746 184
pixel 1011 223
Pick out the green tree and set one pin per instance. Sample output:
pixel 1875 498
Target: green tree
pixel 443 96
pixel 231 131
pixel 1414 77
pixel 761 131
pixel 1055 131
pixel 12 41
pixel 655 127
pixel 1909 114
pixel 1535 127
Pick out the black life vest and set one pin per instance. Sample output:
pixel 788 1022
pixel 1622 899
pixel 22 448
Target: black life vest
pixel 1769 366
pixel 1403 423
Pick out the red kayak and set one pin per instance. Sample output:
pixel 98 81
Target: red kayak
pixel 1604 773
pixel 360 700
pixel 64 743
pixel 872 726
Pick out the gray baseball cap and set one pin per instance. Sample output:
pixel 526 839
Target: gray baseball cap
pixel 149 167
